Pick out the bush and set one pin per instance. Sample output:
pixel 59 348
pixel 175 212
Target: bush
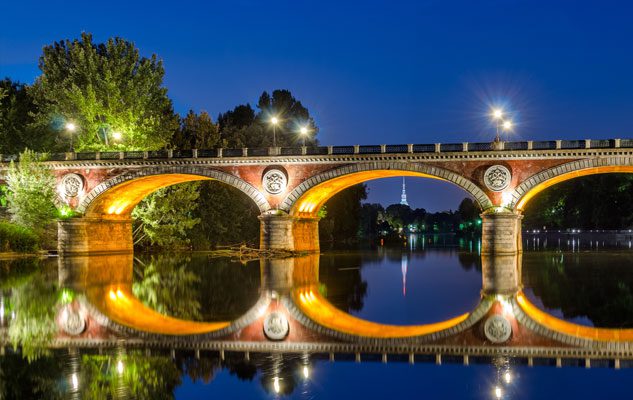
pixel 17 238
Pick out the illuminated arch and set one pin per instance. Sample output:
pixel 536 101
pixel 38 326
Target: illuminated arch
pixel 119 195
pixel 541 181
pixel 317 313
pixel 308 197
pixel 573 334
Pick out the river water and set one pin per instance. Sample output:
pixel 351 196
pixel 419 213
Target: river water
pixel 582 279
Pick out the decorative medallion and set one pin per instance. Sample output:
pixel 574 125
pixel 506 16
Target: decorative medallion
pixel 274 181
pixel 72 322
pixel 276 326
pixel 497 178
pixel 497 329
pixel 71 185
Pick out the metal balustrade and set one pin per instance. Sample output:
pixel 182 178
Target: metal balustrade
pixel 339 150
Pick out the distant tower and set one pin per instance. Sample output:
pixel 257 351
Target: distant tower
pixel 403 197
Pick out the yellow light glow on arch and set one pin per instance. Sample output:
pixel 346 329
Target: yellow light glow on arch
pixel 318 309
pixel 571 329
pixel 119 201
pixel 570 175
pixel 312 200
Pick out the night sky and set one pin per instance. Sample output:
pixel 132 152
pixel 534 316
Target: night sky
pixel 372 72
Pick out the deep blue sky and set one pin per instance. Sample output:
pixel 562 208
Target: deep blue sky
pixel 372 72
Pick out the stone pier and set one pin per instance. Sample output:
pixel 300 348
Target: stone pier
pixel 280 231
pixel 87 236
pixel 501 233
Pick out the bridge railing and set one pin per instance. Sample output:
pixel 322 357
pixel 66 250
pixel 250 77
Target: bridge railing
pixel 341 150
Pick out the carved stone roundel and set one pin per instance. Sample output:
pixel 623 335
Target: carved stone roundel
pixel 276 326
pixel 72 185
pixel 497 329
pixel 497 178
pixel 73 324
pixel 274 181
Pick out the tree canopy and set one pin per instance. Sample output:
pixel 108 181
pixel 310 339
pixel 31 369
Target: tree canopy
pixel 106 90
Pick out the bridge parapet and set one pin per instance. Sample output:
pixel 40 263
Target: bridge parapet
pixel 339 150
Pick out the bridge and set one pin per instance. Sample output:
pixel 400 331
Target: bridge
pixel 292 316
pixel 290 185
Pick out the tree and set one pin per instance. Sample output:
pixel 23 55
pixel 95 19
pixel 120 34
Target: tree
pixel 16 119
pixel 343 218
pixel 165 218
pixel 103 88
pixel 196 132
pixel 168 287
pixel 31 192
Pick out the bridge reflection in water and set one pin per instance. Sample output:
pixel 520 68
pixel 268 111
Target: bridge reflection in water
pixel 291 315
pixel 106 334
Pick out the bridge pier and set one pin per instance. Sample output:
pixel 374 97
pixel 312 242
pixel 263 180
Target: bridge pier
pixel 501 233
pixel 83 236
pixel 280 231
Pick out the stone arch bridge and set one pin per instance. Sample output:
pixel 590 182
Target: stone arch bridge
pixel 289 185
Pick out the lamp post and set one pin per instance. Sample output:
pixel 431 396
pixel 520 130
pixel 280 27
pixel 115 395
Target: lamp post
pixel 507 125
pixel 71 128
pixel 497 116
pixel 274 121
pixel 304 132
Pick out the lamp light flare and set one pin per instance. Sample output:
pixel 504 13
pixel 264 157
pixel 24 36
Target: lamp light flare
pixel 497 113
pixel 71 127
pixel 306 372
pixel 117 135
pixel 507 125
pixel 274 120
pixel 508 377
pixel 303 130
pixel 498 392
pixel 119 367
pixel 276 385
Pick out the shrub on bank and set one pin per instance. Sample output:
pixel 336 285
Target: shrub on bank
pixel 17 238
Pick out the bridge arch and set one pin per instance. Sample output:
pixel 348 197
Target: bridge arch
pixel 307 198
pixel 119 195
pixel 533 185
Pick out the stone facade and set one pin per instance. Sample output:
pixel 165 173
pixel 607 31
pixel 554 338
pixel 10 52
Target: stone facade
pixel 501 233
pixel 280 231
pixel 79 236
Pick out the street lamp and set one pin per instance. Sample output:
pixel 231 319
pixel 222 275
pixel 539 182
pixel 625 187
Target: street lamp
pixel 304 132
pixel 274 121
pixel 71 128
pixel 497 116
pixel 117 135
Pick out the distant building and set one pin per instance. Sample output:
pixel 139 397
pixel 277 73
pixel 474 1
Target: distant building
pixel 403 197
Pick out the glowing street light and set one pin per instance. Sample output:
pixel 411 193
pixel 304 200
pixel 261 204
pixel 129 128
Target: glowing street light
pixel 507 125
pixel 71 128
pixel 116 135
pixel 304 132
pixel 274 121
pixel 497 117
pixel 119 367
pixel 498 392
pixel 497 114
